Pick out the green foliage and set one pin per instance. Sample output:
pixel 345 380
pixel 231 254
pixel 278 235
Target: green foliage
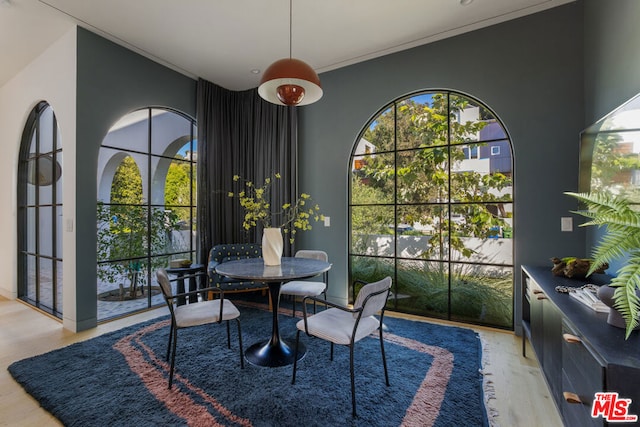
pixel 181 177
pixel 124 239
pixel 622 237
pixel 416 182
pixel 423 288
pixel 369 219
pixel 613 164
pixel 126 187
pixel 422 175
pixel 290 217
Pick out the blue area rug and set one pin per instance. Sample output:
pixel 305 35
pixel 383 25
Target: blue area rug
pixel 120 379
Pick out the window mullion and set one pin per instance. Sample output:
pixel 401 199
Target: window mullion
pixel 54 221
pixel 449 204
pixel 395 201
pixel 149 213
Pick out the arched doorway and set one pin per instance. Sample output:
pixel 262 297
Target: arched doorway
pixel 40 212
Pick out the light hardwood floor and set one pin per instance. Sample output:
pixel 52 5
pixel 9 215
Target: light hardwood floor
pixel 521 396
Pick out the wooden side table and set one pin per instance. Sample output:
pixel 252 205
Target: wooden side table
pixel 190 271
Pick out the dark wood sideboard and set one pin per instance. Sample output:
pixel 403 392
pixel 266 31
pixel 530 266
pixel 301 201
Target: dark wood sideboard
pixel 579 352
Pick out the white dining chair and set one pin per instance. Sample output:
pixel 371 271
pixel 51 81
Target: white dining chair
pixel 196 314
pixel 303 288
pixel 346 326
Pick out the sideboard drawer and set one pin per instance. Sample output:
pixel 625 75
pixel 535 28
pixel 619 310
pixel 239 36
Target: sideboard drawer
pixel 583 373
pixel 575 413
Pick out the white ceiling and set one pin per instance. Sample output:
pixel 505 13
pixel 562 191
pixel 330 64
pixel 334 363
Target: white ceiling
pixel 223 41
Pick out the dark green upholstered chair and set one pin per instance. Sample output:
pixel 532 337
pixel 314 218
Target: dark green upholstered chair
pixel 231 252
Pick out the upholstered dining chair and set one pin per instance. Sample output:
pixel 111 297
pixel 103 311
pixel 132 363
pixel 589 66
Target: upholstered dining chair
pixel 303 288
pixel 346 326
pixel 196 314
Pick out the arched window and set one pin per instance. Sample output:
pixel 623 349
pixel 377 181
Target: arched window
pixel 431 202
pixel 146 206
pixel 40 212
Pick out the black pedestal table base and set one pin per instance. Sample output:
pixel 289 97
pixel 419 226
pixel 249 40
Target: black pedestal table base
pixel 275 351
pixel 272 354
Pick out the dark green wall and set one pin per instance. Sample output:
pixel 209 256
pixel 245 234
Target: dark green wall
pixel 612 55
pixel 111 82
pixel 529 71
pixel 612 68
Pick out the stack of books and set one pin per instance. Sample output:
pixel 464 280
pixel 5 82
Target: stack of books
pixel 589 298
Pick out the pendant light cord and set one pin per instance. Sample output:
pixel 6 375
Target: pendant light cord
pixel 290 27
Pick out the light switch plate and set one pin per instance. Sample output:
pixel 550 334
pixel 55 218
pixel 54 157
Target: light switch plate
pixel 327 221
pixel 566 223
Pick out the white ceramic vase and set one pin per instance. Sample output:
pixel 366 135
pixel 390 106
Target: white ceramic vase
pixel 272 246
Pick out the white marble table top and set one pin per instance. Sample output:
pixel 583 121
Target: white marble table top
pixel 290 269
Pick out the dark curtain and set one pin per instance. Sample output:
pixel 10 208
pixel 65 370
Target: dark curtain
pixel 240 134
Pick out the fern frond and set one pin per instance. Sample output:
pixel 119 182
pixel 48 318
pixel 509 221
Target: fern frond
pixel 601 202
pixel 623 220
pixel 626 299
pixel 622 237
pixel 615 245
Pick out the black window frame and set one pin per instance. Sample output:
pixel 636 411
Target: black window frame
pixel 395 204
pixel 29 174
pixel 148 204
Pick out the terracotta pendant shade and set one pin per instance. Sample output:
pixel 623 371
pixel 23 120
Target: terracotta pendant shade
pixel 290 81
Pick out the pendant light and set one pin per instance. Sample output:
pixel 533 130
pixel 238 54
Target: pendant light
pixel 290 81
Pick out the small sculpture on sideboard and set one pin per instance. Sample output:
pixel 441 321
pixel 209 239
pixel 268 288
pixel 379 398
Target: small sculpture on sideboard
pixel 574 267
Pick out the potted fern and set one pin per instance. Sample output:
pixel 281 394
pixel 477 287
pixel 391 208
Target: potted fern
pixel 621 238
